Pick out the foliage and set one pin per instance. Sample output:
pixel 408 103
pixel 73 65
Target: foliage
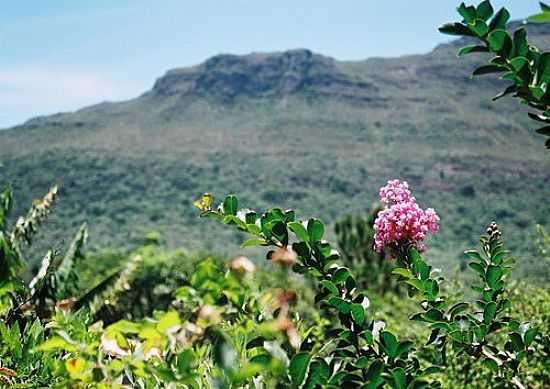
pixel 387 360
pixel 232 325
pixel 152 318
pixel 521 63
pixel 11 257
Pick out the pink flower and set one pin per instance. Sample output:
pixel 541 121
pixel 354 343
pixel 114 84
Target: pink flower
pixel 402 220
pixel 395 192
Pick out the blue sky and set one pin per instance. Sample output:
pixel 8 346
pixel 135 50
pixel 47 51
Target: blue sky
pixel 61 55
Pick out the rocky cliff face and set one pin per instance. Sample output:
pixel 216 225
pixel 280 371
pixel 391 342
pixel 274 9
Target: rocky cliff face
pixel 293 72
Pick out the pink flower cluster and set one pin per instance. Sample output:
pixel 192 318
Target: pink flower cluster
pixel 396 192
pixel 402 220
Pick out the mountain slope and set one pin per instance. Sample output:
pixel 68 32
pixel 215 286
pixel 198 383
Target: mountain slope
pixel 293 129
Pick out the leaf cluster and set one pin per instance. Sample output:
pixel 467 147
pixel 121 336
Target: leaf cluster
pixel 524 65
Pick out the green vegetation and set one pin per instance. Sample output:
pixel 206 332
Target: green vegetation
pixel 377 310
pixel 521 63
pixel 170 318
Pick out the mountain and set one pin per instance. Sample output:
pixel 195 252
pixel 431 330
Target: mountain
pixel 291 129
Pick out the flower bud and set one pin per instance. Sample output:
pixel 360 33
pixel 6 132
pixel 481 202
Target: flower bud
pixel 286 296
pixel 493 231
pixel 242 265
pixel 284 256
pixel 210 315
pixel 66 304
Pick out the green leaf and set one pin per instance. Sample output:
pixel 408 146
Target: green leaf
pixel 489 312
pixel 441 325
pixel 472 49
pixel 389 342
pixel 224 353
pixel 517 342
pixel 508 76
pixel 168 320
pixel 358 313
pixel 456 29
pixel 315 230
pixel 544 7
pixel 253 242
pixel 543 17
pixel 468 13
pixel 457 308
pixel 401 271
pixel 544 68
pixel 431 287
pixel 341 275
pixel 399 378
pixel 362 362
pixel 230 205
pixel 485 10
pixel 319 373
pixel 477 268
pixel 415 283
pixel 433 314
pixel 479 27
pixel 473 254
pixel 375 371
pixel 403 347
pixel 298 368
pixel 433 370
pixel 493 275
pixel 518 63
pixel 253 229
pixel 290 215
pixel 421 268
pixel 498 257
pixel 537 92
pixel 540 118
pixel 56 343
pixel 124 327
pixel 480 332
pixel 415 255
pixel 299 230
pixel 529 336
pixel 336 378
pixel 499 20
pixel 330 286
pixel 544 131
pixel 488 69
pixel 280 232
pixel 251 217
pixel 520 42
pixel 491 364
pixel 497 39
pixel 340 304
pixel 262 359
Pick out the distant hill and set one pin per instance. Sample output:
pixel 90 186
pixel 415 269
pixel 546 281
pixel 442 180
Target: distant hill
pixel 292 129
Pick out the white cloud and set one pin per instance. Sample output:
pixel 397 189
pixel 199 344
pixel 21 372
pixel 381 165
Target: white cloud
pixel 28 91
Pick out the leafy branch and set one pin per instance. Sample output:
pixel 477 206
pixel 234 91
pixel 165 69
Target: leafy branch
pixel 363 351
pixel 518 61
pixel 469 331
